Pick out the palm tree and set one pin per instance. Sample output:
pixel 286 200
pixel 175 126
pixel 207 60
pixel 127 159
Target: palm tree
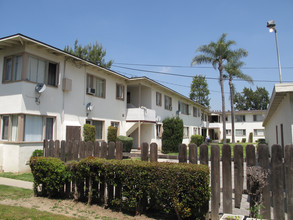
pixel 216 53
pixel 233 70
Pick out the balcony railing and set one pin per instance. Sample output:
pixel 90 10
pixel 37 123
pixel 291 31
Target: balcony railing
pixel 141 114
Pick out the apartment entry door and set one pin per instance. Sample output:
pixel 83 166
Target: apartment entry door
pixel 73 133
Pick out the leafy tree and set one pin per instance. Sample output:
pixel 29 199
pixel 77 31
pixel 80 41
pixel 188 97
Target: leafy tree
pixel 252 100
pixel 172 134
pixel 199 91
pixel 216 53
pixel 233 71
pixel 92 52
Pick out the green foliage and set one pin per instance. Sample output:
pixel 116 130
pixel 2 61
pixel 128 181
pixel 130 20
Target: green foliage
pixel 92 52
pixel 89 133
pixel 261 141
pixel 252 100
pixel 172 134
pixel 199 91
pixel 37 153
pixel 127 143
pixel 250 138
pixel 197 139
pixel 243 140
pixel 51 174
pixel 228 140
pixel 112 134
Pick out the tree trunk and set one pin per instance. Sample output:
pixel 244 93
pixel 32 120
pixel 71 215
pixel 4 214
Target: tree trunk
pixel 223 101
pixel 232 110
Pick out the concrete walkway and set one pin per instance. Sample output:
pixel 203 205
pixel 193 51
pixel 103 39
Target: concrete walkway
pixel 16 183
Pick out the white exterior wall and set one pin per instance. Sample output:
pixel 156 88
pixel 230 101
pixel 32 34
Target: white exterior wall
pixel 283 115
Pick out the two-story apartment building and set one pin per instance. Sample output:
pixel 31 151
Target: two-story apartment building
pixel 46 93
pixel 246 122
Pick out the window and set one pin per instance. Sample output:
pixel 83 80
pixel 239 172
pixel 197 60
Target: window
pixel 99 128
pixel 183 108
pixel 198 113
pixel 12 68
pixel 42 71
pixel 49 128
pixel 196 130
pixel 258 117
pixel 95 86
pixel 186 132
pixel 5 123
pixel 195 112
pixel 159 130
pixel 228 132
pixel 119 91
pixel 168 103
pixel 239 118
pixel 158 99
pixel 240 132
pixel 259 132
pixel 116 125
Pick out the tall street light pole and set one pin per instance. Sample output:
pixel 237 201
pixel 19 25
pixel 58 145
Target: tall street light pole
pixel 272 26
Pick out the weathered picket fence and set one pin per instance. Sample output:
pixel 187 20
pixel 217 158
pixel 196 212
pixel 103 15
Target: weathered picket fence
pixel 277 195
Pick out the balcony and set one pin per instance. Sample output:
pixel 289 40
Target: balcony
pixel 215 125
pixel 140 114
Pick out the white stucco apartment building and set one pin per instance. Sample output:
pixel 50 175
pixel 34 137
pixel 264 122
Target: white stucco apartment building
pixel 246 122
pixel 278 122
pixel 77 92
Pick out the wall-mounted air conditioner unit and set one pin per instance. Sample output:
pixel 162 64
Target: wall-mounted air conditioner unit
pixel 91 91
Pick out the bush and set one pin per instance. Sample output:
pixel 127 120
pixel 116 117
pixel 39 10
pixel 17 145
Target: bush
pixel 112 134
pixel 171 188
pixel 38 153
pixel 243 140
pixel 127 143
pixel 197 139
pixel 172 134
pixel 228 140
pixel 49 173
pixel 262 141
pixel 89 133
pixel 250 139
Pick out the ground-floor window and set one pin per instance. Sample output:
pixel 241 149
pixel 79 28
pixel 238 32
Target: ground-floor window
pixel 258 132
pixel 116 125
pixel 186 132
pixel 228 132
pixel 99 128
pixel 240 132
pixel 159 130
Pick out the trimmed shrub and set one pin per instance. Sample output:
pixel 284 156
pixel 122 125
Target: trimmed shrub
pixel 172 134
pixel 243 140
pixel 197 139
pixel 89 133
pixel 127 143
pixel 37 153
pixel 112 134
pixel 250 138
pixel 262 141
pixel 49 173
pixel 228 140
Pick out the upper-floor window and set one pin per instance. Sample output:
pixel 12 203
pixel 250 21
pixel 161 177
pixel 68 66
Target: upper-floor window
pixel 183 108
pixel 42 71
pixel 95 86
pixel 158 99
pixel 12 68
pixel 120 91
pixel 259 117
pixel 194 112
pixel 240 118
pixel 168 103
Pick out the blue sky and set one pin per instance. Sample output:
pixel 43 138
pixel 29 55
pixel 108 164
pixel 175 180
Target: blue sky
pixel 164 33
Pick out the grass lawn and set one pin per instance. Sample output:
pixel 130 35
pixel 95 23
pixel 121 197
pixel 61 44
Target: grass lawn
pixel 24 176
pixel 14 193
pixel 14 212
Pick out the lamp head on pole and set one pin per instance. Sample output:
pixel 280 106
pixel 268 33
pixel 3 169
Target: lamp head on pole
pixel 271 25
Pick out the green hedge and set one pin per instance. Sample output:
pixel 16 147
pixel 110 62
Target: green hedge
pixel 112 134
pixel 197 139
pixel 127 143
pixel 170 188
pixel 89 132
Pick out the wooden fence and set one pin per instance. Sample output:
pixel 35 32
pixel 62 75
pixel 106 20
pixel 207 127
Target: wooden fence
pixel 277 195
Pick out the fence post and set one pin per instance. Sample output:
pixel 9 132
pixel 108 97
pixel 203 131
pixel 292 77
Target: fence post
pixel 89 149
pixel 119 150
pixel 215 181
pixel 250 161
pixel 56 149
pixel 96 149
pixel 46 148
pixel 204 154
pixel 154 152
pixel 75 148
pixel 51 148
pixel 111 151
pixel 81 150
pixel 62 150
pixel 264 162
pixel 182 153
pixel 278 183
pixel 238 174
pixel 193 153
pixel 227 178
pixel 104 150
pixel 144 151
pixel 289 179
pixel 68 151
